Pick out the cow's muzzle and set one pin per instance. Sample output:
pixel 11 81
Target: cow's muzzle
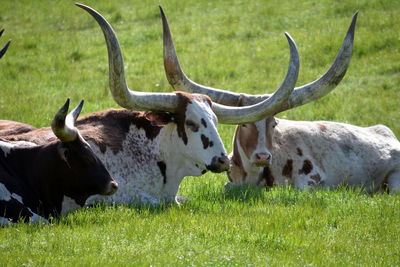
pixel 261 159
pixel 111 188
pixel 219 164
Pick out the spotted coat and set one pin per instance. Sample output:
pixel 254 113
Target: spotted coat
pixel 149 154
pixel 315 154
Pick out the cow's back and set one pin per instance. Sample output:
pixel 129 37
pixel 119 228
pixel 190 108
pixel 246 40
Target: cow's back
pixel 329 153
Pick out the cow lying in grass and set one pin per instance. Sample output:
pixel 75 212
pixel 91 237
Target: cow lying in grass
pixel 315 154
pixel 303 154
pixel 42 181
pixel 149 153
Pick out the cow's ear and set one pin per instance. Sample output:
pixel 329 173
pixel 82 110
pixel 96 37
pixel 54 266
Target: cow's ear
pixel 159 118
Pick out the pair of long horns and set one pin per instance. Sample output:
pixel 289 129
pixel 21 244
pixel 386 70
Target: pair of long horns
pixel 63 124
pixel 224 105
pixel 4 49
pixel 300 95
pixel 169 101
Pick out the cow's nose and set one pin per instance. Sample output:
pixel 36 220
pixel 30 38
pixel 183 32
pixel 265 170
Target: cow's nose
pixel 262 158
pixel 113 187
pixel 219 164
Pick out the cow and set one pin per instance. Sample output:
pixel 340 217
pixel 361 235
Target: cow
pixel 273 151
pixel 42 181
pixel 4 49
pixel 315 154
pixel 159 138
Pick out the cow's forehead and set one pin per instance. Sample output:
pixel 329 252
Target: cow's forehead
pixel 199 109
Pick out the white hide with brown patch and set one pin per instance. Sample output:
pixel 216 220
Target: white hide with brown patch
pixel 136 166
pixel 317 154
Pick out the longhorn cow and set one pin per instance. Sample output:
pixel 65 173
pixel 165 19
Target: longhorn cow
pixel 39 181
pixel 303 154
pixel 173 135
pixel 4 49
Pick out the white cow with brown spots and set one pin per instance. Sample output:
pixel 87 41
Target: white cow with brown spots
pixel 303 154
pixel 315 154
pixel 174 135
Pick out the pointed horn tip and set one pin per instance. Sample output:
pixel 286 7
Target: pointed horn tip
pixel 353 24
pixel 67 103
pixel 290 38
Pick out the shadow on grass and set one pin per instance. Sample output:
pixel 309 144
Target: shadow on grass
pixel 245 193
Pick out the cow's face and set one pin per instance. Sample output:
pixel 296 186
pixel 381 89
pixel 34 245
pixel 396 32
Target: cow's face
pixel 255 140
pixel 86 174
pixel 252 152
pixel 198 136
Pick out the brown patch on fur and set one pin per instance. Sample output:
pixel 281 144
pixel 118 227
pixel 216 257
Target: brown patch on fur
pixel 109 128
pixel 205 141
pixel 307 167
pixel 204 123
pixel 288 168
pixel 299 152
pixel 39 136
pixel 322 127
pixel 184 99
pixel 13 128
pixel 316 177
pixel 267 175
pixel 106 128
pixel 248 137
pixel 237 165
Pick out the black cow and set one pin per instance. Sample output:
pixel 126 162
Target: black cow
pixel 42 181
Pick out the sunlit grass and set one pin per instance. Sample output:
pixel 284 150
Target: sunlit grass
pixel 58 51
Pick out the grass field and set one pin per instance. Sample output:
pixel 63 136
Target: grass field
pixel 58 51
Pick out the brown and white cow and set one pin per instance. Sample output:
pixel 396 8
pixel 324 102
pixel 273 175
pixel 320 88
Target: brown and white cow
pixel 315 154
pixel 149 153
pixel 42 181
pixel 4 49
pixel 303 154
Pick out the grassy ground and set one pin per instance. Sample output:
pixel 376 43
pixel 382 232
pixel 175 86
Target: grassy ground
pixel 58 51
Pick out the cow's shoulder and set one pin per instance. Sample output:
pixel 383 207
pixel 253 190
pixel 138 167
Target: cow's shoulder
pixel 109 128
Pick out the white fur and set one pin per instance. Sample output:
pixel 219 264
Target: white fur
pixel 68 205
pixel 340 154
pixel 135 167
pixel 6 146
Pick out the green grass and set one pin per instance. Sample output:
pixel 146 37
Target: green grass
pixel 58 51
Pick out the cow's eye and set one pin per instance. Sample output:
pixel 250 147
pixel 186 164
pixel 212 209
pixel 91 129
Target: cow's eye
pixel 66 154
pixel 192 125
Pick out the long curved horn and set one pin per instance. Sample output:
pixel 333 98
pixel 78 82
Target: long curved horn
pixel 227 114
pixel 300 96
pixel 63 124
pixel 121 93
pixel 4 49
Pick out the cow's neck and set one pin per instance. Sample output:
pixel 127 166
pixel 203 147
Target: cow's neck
pixel 40 172
pixel 177 163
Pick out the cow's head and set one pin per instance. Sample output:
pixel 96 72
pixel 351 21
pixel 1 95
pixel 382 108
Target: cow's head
pixel 253 141
pixel 83 173
pixel 4 49
pixel 195 115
